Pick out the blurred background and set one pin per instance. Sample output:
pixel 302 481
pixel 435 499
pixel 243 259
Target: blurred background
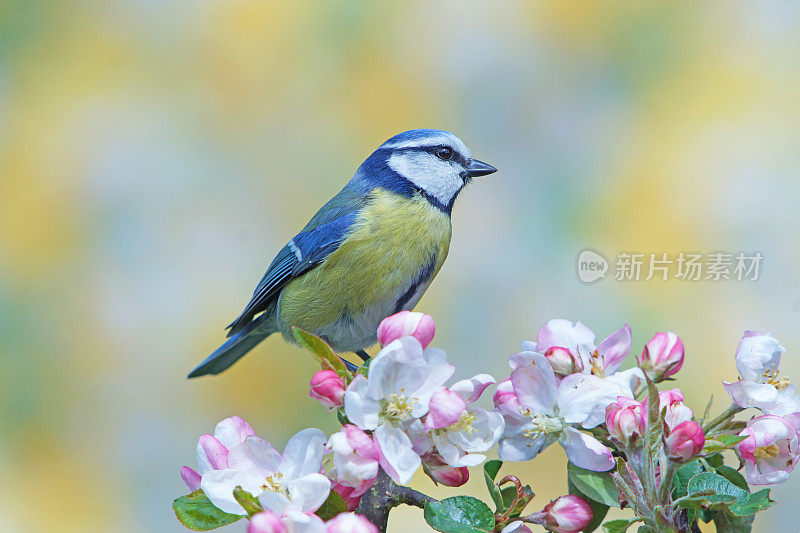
pixel 154 155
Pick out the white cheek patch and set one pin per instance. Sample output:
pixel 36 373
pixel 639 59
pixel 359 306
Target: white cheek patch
pixel 438 178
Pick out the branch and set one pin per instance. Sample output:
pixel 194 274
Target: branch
pixel 384 495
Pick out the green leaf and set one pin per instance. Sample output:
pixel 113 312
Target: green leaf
pixel 712 491
pixel 722 442
pixel 599 510
pixel 363 370
pixel 619 526
pixel 509 493
pixel 323 353
pixel 248 501
pixel 494 491
pixel 491 468
pixel 682 477
pixel 752 503
pixel 597 486
pixel 732 524
pixel 732 475
pixel 196 512
pixel 334 505
pixel 459 514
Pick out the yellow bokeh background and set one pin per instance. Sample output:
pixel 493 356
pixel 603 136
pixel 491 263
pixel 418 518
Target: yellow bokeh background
pixel 154 155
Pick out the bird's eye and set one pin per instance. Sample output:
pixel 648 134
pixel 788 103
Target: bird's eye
pixel 445 153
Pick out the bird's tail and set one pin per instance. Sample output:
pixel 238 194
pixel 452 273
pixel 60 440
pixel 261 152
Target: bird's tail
pixel 237 346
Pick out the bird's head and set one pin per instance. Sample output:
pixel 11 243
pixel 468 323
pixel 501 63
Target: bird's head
pixel 434 162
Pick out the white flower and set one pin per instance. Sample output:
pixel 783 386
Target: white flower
pixel 465 431
pixel 282 483
pixel 770 451
pixel 402 379
pixel 548 409
pixel 601 360
pixel 761 386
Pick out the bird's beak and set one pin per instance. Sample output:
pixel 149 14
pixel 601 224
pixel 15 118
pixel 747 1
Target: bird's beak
pixel 479 168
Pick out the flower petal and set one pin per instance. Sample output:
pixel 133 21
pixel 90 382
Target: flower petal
pixel 255 454
pixel 303 454
pixel 232 431
pixel 615 348
pixel 536 386
pixel 309 492
pixel 471 389
pixel 397 456
pixel 218 486
pixel 756 354
pixel 191 478
pixel 586 451
pixel 445 408
pixel 361 408
pixel 211 454
pixel 582 399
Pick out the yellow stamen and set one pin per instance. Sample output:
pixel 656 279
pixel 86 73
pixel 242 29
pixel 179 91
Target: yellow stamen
pixel 398 408
pixel 596 362
pixel 273 483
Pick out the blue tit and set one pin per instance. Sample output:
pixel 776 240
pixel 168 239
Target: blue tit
pixel 368 253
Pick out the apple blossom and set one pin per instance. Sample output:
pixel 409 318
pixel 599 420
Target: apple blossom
pixel 567 514
pixel 212 450
pixel 760 384
pixel 456 429
pixel 355 458
pixel 402 378
pixel 770 451
pixel 626 420
pixel 548 410
pixel 327 387
pixel 563 340
pixel 349 523
pixel 282 483
pixel 418 325
pixel 441 473
pixel 677 411
pixel 684 441
pixel 578 339
pixel 663 355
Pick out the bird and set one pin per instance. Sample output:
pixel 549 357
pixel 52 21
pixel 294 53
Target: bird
pixel 371 251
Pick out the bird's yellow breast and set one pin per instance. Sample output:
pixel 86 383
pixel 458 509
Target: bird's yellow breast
pixel 392 241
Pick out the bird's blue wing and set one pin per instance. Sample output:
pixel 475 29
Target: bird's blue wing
pixel 306 250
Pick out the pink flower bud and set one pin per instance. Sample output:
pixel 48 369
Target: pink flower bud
pixel 677 411
pixel 563 361
pixel 505 399
pixel 684 442
pixel 568 514
pixel 445 408
pixel 191 478
pixel 441 473
pixel 626 420
pixel 266 522
pixel 349 523
pixel 327 388
pixel 418 325
pixel 355 458
pixel 663 355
